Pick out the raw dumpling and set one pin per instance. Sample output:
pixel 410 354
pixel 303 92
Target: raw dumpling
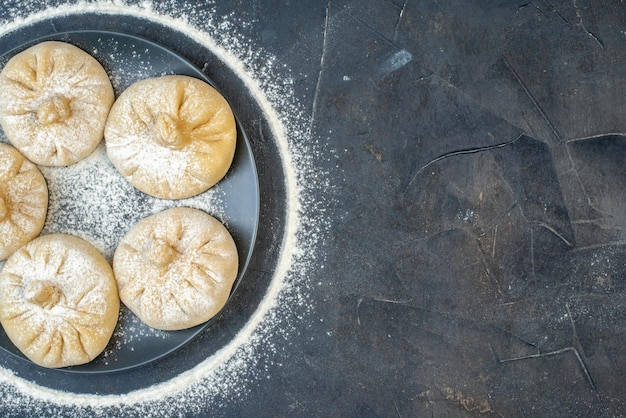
pixel 58 300
pixel 23 200
pixel 171 137
pixel 55 102
pixel 176 269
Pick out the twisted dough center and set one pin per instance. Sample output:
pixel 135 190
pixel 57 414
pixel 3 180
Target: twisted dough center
pixel 169 132
pixel 53 110
pixel 43 294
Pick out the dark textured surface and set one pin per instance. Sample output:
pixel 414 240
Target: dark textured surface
pixel 475 263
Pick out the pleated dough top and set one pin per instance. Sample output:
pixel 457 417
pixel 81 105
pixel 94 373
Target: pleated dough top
pixel 23 200
pixel 171 137
pixel 176 269
pixel 58 301
pixel 54 104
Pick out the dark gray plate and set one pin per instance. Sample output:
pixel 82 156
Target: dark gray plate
pixel 128 59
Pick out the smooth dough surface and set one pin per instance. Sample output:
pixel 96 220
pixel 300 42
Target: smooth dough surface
pixel 55 102
pixel 176 269
pixel 58 300
pixel 171 137
pixel 23 200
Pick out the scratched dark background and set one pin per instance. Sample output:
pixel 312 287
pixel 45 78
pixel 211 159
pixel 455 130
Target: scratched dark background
pixel 475 264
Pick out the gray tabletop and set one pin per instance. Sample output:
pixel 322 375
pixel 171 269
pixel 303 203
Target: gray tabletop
pixel 459 245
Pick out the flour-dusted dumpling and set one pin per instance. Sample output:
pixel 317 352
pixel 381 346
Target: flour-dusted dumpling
pixel 171 137
pixel 176 269
pixel 54 104
pixel 58 300
pixel 23 200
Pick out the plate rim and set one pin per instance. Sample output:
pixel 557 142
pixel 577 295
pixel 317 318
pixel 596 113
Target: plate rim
pixel 56 36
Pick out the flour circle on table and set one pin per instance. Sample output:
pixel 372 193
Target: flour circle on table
pixel 289 126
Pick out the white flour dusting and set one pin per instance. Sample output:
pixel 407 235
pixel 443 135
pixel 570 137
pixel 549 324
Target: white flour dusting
pixel 227 373
pixel 82 195
pixel 63 292
pixel 52 98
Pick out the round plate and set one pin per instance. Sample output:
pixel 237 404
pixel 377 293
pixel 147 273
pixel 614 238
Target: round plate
pixel 128 59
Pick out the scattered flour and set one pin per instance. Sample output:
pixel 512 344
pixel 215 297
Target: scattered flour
pixel 225 374
pixel 85 201
pixel 63 85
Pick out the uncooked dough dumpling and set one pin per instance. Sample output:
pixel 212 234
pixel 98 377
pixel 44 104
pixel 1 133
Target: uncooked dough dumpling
pixel 176 269
pixel 55 102
pixel 171 137
pixel 23 200
pixel 58 300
